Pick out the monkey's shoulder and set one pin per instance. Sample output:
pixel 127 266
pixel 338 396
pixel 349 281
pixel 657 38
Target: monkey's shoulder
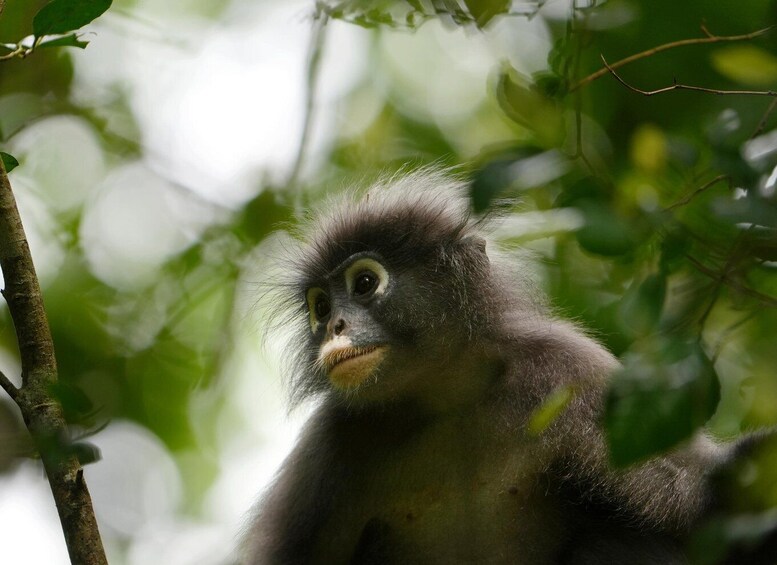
pixel 542 357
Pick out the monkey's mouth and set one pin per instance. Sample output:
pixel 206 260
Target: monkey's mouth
pixel 348 367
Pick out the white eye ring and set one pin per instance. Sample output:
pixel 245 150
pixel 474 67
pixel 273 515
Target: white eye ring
pixel 311 297
pixel 367 264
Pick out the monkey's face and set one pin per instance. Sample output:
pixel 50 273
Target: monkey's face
pixel 352 345
pixel 364 324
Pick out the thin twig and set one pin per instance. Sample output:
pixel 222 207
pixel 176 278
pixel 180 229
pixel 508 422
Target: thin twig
pixel 579 152
pixel 678 86
pixel 702 188
pixel 710 38
pixel 718 282
pixel 764 119
pixel 8 386
pixel 321 18
pixel 20 52
pixel 736 285
pixel 725 334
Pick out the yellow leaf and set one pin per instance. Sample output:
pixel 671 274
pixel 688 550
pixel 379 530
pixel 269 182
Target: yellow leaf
pixel 746 64
pixel 648 148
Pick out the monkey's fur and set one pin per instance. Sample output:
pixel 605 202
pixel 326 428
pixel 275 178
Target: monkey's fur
pixel 421 453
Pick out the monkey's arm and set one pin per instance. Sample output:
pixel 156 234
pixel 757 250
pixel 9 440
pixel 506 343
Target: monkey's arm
pixel 664 494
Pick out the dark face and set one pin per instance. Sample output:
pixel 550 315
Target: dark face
pixel 372 324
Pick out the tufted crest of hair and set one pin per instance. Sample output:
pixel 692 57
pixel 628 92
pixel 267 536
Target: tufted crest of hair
pixel 409 220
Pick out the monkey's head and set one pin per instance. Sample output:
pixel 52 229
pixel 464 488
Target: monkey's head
pixel 389 288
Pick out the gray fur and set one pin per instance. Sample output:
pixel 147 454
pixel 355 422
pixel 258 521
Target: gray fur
pixel 430 461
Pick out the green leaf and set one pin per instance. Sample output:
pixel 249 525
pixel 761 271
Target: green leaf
pixel 494 178
pixel 379 17
pixel 674 247
pixel 550 85
pixel 529 107
pixel 663 394
pixel 551 409
pixel 9 162
pixel 746 64
pixel 70 40
pixel 605 233
pixel 485 10
pixel 85 452
pixel 62 16
pixel 75 402
pixel 642 304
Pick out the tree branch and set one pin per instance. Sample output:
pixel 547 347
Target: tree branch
pixel 321 18
pixel 692 195
pixel 8 386
pixel 736 285
pixel 678 86
pixel 709 38
pixel 20 52
pixel 43 414
pixel 764 119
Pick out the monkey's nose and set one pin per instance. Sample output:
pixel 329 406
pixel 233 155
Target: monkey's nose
pixel 339 326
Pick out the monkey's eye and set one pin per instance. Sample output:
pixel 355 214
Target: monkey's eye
pixel 364 283
pixel 318 307
pixel 322 307
pixel 366 277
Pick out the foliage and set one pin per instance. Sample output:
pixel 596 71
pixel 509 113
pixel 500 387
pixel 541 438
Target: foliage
pixel 667 250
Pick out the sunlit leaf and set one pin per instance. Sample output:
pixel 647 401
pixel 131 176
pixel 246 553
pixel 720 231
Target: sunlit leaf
pixel 551 409
pixel 649 148
pixel 9 162
pixel 379 17
pixel 746 64
pixel 61 16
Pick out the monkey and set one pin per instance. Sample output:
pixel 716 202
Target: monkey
pixel 428 352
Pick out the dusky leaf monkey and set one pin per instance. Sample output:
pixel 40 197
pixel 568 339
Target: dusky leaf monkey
pixel 428 355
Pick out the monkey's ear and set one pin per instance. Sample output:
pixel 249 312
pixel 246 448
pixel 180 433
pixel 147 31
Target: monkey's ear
pixel 476 243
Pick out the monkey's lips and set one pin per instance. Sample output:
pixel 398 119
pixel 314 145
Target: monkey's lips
pixel 348 367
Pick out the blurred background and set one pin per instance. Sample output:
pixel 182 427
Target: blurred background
pixel 156 164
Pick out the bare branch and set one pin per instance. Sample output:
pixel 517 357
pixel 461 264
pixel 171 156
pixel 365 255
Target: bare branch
pixel 709 38
pixel 314 64
pixel 702 188
pixel 8 386
pixel 733 283
pixel 678 86
pixel 19 53
pixel 764 119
